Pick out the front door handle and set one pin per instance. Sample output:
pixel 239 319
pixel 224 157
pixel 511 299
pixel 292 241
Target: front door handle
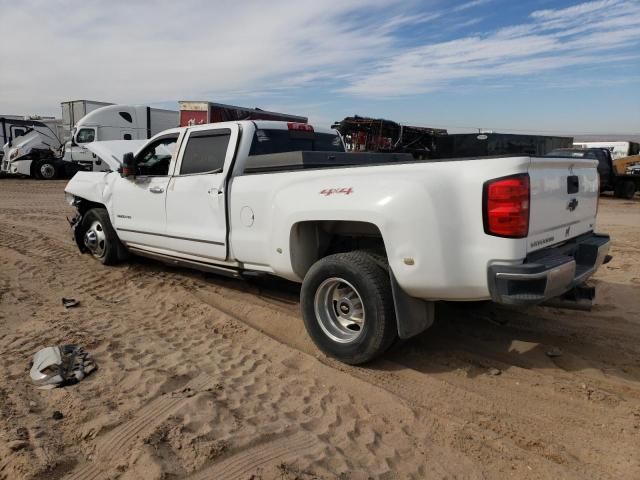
pixel 156 189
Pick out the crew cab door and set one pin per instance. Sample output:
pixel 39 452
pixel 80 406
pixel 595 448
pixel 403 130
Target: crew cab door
pixel 139 203
pixel 196 199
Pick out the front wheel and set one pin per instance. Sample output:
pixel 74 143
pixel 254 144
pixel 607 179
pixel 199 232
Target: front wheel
pixel 46 170
pixel 100 238
pixel 347 307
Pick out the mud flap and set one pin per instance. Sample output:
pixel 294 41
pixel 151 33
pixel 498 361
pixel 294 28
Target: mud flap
pixel 412 314
pixel 77 233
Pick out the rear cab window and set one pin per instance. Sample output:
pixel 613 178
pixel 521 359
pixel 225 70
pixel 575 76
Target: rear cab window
pixel 267 141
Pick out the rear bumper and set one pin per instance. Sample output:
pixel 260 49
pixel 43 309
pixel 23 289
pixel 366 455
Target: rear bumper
pixel 550 272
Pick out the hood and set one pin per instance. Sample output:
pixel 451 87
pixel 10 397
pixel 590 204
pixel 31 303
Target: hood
pixel 24 142
pixel 112 151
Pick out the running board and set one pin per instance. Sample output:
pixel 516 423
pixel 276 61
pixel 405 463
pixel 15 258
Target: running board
pixel 183 262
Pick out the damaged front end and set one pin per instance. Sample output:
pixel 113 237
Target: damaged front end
pixel 76 221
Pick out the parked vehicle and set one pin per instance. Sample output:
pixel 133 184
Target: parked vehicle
pixel 14 126
pixel 374 239
pixel 201 112
pixel 29 138
pixel 111 122
pixel 622 186
pixel 617 149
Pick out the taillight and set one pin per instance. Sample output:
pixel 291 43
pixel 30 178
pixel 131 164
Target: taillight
pixel 301 127
pixel 506 206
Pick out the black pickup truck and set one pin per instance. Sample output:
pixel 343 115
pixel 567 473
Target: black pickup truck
pixel 622 186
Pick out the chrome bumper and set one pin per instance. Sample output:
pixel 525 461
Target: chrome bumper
pixel 550 272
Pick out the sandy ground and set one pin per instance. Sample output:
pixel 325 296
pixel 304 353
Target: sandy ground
pixel 203 377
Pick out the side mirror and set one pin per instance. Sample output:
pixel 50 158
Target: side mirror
pixel 128 165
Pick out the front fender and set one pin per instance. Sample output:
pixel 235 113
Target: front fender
pixel 94 187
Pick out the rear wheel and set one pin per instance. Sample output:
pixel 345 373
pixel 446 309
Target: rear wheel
pixel 347 307
pixel 100 238
pixel 627 189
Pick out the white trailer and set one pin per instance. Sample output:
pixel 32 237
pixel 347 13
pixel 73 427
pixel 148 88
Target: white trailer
pixel 74 110
pixel 110 122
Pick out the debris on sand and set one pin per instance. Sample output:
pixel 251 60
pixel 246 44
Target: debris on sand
pixel 60 366
pixel 70 302
pixel 554 352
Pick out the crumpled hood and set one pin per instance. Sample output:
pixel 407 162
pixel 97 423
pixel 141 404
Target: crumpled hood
pixel 112 151
pixel 25 143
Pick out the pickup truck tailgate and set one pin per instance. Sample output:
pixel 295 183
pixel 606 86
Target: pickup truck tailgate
pixel 564 200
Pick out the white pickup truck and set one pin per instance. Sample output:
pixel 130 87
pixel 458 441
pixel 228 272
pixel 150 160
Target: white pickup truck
pixel 374 239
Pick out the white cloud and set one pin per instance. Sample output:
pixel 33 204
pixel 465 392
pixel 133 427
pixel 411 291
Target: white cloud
pixel 133 51
pixel 137 51
pixel 586 34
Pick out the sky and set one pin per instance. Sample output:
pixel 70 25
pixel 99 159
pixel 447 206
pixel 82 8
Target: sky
pixel 536 66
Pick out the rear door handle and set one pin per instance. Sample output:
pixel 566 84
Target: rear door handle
pixel 156 189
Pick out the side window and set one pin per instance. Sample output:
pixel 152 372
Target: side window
pixel 17 132
pixel 86 135
pixel 126 136
pixel 205 152
pixel 155 158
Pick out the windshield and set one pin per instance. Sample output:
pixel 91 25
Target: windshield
pixel 266 141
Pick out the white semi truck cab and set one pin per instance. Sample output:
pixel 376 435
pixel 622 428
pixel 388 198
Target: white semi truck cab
pixel 374 239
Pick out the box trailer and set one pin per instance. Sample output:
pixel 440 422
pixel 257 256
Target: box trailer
pixel 201 112
pixel 74 110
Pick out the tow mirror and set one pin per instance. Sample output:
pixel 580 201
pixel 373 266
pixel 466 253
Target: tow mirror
pixel 128 165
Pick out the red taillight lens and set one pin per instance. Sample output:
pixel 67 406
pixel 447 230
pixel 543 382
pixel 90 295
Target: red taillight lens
pixel 301 127
pixel 506 206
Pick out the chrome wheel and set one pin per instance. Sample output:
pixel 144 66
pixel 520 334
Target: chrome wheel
pixel 339 310
pixel 95 239
pixel 47 171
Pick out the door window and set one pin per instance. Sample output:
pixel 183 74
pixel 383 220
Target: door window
pixel 86 135
pixel 205 152
pixel 155 158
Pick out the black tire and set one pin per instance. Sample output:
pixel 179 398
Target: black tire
pixel 46 169
pixel 627 189
pixel 108 247
pixel 355 271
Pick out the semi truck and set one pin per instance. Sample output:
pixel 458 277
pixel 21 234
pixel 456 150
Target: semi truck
pixel 14 126
pixel 38 134
pixel 109 122
pixel 374 239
